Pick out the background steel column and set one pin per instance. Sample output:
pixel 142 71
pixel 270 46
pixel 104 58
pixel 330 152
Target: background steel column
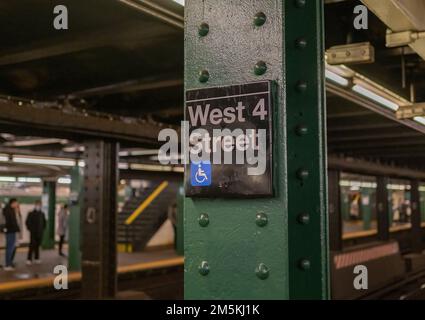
pixel 49 208
pixel 416 217
pixel 74 251
pixel 382 206
pixel 231 256
pixel 99 215
pixel 366 207
pixel 335 214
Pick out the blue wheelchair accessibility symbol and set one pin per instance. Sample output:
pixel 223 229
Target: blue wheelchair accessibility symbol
pixel 200 174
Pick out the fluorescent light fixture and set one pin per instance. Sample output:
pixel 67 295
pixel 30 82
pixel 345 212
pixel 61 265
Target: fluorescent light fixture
pixel 400 187
pixel 420 120
pixel 4 158
pixel 45 161
pixel 29 179
pixel 373 96
pixel 143 152
pixel 35 142
pixel 165 157
pixel 124 153
pixel 81 163
pixel 64 180
pixel 74 149
pixel 7 179
pixel 357 184
pixel 336 78
pixel 180 2
pixel 150 167
pixel 123 166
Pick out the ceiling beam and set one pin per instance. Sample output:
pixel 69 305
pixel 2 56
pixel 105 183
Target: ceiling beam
pixel 372 168
pixel 128 86
pixel 375 107
pixel 71 43
pixel 49 122
pixel 165 11
pixel 365 136
pixel 391 142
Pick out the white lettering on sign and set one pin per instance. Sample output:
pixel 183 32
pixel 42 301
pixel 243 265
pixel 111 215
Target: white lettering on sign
pixel 216 115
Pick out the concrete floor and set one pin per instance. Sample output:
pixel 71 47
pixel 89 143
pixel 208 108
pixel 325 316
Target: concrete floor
pixel 50 259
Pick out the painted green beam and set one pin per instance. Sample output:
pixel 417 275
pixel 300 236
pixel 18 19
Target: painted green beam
pixel 306 148
pixel 230 253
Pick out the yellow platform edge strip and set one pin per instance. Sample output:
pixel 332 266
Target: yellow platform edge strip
pixel 76 276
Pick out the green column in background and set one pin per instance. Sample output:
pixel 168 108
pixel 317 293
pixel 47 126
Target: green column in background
pixel 422 205
pixel 345 205
pixel 49 207
pixel 390 207
pixel 179 227
pixel 74 252
pixel 366 203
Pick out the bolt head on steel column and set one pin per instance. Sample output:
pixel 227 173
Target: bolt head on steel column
pixel 261 219
pixel 262 271
pixel 260 19
pixel 204 268
pixel 204 220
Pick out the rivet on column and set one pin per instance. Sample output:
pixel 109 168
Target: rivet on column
pixel 204 268
pixel 259 19
pixel 204 76
pixel 301 130
pixel 304 264
pixel 302 174
pixel 203 29
pixel 262 271
pixel 261 219
pixel 303 218
pixel 203 220
pixel 260 68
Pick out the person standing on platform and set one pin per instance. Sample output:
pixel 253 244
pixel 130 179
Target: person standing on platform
pixel 62 227
pixel 11 228
pixel 36 223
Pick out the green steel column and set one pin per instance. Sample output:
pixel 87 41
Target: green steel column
pixel 49 207
pixel 179 237
pixel 227 254
pixel 416 230
pixel 366 206
pixel 74 252
pixel 345 207
pixel 306 144
pixel 383 206
pixel 422 204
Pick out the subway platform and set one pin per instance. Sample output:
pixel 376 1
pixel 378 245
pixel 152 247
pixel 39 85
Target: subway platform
pixel 138 272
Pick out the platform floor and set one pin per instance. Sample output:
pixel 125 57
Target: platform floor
pixel 50 259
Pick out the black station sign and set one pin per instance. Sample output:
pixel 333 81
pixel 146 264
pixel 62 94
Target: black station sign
pixel 230 149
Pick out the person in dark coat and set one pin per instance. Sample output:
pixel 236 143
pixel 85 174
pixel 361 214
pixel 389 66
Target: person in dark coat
pixel 35 222
pixel 11 227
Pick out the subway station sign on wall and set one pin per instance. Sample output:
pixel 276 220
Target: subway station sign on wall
pixel 230 147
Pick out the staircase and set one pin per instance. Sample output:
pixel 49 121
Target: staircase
pixel 137 234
